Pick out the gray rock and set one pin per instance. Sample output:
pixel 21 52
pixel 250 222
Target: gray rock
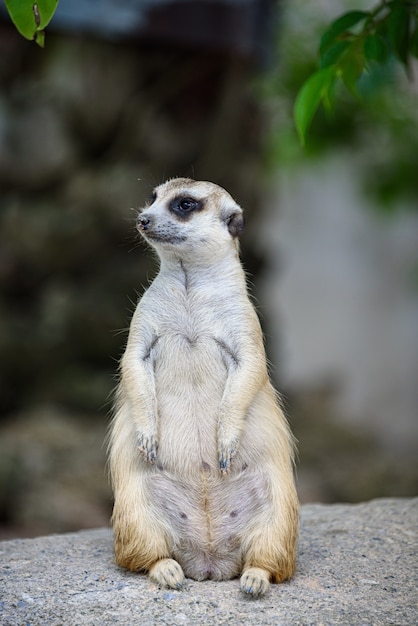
pixel 356 565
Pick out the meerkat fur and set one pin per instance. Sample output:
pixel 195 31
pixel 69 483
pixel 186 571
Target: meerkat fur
pixel 200 453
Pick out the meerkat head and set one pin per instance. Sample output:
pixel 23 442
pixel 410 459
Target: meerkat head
pixel 194 219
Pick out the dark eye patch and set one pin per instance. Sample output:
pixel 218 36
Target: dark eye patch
pixel 184 206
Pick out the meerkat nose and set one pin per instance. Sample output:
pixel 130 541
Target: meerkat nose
pixel 143 222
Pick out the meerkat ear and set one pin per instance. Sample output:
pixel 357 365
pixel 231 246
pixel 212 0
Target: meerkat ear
pixel 235 223
pixel 233 218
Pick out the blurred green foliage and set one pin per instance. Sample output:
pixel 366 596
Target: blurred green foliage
pixel 350 46
pixel 362 99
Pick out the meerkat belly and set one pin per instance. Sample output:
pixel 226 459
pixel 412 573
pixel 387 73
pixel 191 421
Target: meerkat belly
pixel 209 516
pixel 190 379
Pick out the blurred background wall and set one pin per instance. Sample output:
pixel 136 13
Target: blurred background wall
pixel 125 95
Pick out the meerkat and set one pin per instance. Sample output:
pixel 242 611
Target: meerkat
pixel 200 453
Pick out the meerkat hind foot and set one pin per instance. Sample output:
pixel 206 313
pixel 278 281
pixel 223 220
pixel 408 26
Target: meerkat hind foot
pixel 255 581
pixel 167 573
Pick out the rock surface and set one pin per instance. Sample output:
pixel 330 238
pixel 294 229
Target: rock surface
pixel 357 564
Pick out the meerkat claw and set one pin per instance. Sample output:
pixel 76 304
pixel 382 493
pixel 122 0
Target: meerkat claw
pixel 168 573
pixel 255 582
pixel 147 447
pixel 226 456
pixel 225 464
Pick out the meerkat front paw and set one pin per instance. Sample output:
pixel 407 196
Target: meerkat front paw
pixel 167 573
pixel 148 446
pixel 226 452
pixel 255 581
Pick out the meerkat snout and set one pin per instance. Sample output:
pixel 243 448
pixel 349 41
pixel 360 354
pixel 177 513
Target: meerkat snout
pixel 143 222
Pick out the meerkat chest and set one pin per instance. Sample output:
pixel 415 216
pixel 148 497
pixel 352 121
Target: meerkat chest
pixel 189 366
pixel 185 320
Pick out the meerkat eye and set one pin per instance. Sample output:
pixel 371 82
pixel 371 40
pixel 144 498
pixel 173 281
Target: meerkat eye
pixel 184 206
pixel 188 204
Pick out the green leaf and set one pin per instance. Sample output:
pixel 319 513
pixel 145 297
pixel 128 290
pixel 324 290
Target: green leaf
pixel 334 52
pixel 40 38
pixel 351 68
pixel 328 95
pixel 30 18
pixel 316 88
pixel 397 25
pixel 339 26
pixel 375 48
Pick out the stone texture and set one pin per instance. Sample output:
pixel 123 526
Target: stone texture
pixel 357 564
